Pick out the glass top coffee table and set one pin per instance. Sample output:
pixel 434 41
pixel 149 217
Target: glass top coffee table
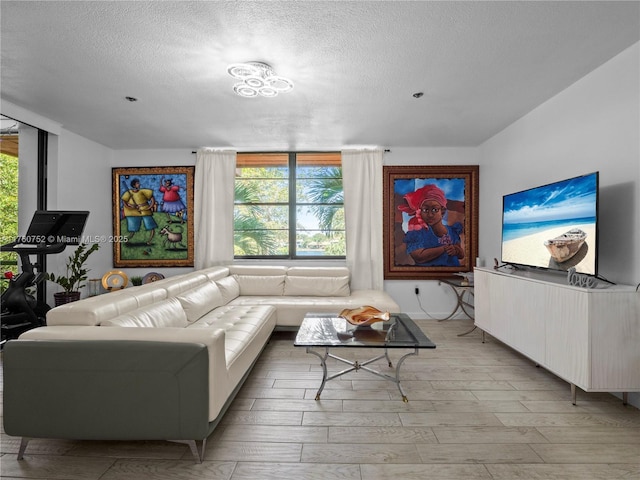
pixel 328 331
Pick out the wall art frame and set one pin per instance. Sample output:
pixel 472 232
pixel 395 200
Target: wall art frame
pixel 424 239
pixel 153 216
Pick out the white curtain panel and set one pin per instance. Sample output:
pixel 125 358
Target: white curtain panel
pixel 213 190
pixel 362 181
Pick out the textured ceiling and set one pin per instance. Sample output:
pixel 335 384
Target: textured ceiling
pixel 355 65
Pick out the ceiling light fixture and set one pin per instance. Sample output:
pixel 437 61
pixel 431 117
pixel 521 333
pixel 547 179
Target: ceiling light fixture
pixel 258 79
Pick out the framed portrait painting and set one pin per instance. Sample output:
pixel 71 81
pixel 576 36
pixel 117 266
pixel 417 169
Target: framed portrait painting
pixel 153 216
pixel 430 220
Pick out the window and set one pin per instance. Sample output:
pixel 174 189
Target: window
pixel 289 205
pixel 9 200
pixel 16 138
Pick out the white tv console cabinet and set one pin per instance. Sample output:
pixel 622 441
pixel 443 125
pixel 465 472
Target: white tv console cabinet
pixel 588 337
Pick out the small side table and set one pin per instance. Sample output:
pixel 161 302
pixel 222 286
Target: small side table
pixel 464 296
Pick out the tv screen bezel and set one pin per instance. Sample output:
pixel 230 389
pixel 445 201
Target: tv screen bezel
pixel 551 268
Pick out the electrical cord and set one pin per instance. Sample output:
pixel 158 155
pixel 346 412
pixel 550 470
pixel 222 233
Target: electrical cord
pixel 498 266
pixel 422 308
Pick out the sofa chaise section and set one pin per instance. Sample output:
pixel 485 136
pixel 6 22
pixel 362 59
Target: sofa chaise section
pixel 120 390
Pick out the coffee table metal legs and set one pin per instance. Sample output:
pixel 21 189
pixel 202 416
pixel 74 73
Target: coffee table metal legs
pixel 355 365
pixel 323 362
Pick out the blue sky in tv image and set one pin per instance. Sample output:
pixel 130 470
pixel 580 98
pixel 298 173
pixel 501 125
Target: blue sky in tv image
pixel 563 203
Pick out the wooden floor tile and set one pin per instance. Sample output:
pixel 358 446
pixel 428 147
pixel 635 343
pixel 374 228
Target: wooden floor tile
pixel 386 406
pixel 257 417
pixel 592 434
pixel 477 406
pixel 422 472
pixel 437 419
pixel 270 433
pixel 489 435
pixel 588 453
pixel 568 419
pixel 303 405
pixel 296 471
pixel 589 471
pixel 382 435
pixel 359 453
pixel 253 451
pixel 55 467
pixel 355 419
pixel 471 385
pixel 477 453
pixel 174 470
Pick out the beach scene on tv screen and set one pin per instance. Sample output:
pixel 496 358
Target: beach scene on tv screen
pixel 552 226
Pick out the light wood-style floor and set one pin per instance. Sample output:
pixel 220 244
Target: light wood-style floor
pixel 475 411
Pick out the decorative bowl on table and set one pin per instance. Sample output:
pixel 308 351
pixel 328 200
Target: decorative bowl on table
pixel 364 316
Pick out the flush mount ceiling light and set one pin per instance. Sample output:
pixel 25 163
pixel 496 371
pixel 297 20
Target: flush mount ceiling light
pixel 258 79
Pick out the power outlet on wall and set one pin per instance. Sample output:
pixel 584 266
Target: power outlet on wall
pixel 417 290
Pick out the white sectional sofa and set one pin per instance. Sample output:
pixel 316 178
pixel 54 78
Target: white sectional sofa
pixel 161 361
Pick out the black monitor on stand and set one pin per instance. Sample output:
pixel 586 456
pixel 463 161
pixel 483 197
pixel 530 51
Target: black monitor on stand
pixel 54 227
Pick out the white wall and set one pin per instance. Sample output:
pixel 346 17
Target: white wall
pixel 594 125
pixel 78 179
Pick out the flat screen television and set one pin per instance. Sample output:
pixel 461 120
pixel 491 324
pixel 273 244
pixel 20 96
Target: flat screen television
pixel 553 226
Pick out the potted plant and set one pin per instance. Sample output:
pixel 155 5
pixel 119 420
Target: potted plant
pixel 136 281
pixel 75 276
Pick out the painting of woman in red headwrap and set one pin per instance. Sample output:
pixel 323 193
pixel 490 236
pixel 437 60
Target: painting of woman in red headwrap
pixel 430 220
pixel 430 241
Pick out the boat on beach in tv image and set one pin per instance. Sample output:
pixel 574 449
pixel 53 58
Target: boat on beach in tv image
pixel 566 246
pixel 553 226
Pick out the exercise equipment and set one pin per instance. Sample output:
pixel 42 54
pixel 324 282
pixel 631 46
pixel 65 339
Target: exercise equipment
pixel 49 232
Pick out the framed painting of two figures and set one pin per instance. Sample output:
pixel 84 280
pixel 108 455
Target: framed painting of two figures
pixel 153 216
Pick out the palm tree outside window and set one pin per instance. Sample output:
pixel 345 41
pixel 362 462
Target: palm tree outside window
pixel 289 206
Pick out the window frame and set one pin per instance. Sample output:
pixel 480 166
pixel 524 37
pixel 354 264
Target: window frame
pixel 42 163
pixel 292 205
